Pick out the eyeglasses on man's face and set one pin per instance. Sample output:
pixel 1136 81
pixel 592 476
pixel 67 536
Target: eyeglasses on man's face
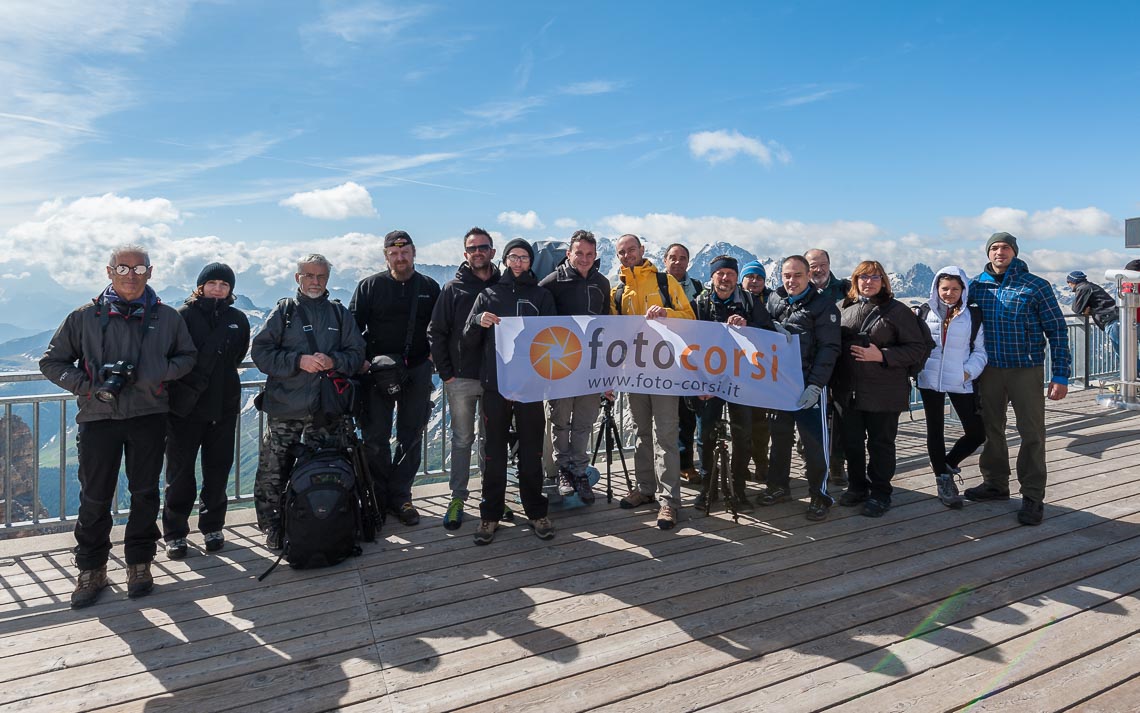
pixel 127 269
pixel 870 278
pixel 518 258
pixel 472 249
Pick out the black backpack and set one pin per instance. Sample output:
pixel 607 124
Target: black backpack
pixel 662 286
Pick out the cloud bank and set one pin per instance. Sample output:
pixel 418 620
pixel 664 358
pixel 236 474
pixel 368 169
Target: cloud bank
pixel 347 200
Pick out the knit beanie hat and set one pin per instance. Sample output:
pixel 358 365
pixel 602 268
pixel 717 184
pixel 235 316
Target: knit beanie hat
pixel 1002 238
pixel 753 268
pixel 518 243
pixel 722 262
pixel 1076 276
pixel 216 271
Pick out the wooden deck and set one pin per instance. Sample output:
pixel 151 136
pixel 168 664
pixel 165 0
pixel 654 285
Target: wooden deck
pixel 926 609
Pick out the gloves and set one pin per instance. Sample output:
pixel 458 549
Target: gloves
pixel 809 397
pixel 782 329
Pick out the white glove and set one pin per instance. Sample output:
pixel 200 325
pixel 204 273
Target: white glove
pixel 782 329
pixel 809 397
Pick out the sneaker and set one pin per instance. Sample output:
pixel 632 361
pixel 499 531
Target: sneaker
pixel 1032 511
pixel 771 496
pixel 543 528
pixel 948 491
pixel 585 491
pixel 91 583
pixel 742 504
pixel 703 501
pixel 850 498
pixel 454 516
pixel 818 508
pixel 273 540
pixel 635 499
pixel 565 482
pixel 176 548
pixel 215 541
pixel 486 532
pixel 985 491
pixel 875 508
pixel 408 514
pixel 508 515
pixel 139 580
pixel 667 517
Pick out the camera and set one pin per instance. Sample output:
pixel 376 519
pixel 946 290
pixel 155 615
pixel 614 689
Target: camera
pixel 862 339
pixel 115 377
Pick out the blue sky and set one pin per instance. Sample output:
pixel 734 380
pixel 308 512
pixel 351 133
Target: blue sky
pixel 256 131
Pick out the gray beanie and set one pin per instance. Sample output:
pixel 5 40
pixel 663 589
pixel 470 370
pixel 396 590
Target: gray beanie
pixel 1002 238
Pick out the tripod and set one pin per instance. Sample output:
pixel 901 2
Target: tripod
pixel 610 432
pixel 719 472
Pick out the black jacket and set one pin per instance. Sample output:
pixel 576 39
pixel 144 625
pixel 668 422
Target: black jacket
pixel 743 303
pixel 507 298
pixel 1100 305
pixel 816 319
pixel 879 386
pixel 221 334
pixel 447 320
pixel 381 305
pixel 577 295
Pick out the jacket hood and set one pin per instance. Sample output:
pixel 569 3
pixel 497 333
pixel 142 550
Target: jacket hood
pixel 949 270
pixel 527 278
pixel 645 266
pixel 466 275
pixel 565 272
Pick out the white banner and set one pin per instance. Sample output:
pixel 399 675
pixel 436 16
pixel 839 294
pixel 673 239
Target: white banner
pixel 542 358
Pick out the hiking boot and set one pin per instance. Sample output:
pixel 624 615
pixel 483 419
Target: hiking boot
pixel 666 517
pixel 1032 511
pixel 741 503
pixel 486 532
pixel 875 508
pixel 818 508
pixel 543 528
pixel 704 501
pixel 215 541
pixel 585 491
pixel 771 496
pixel 273 539
pixel 565 482
pixel 985 491
pixel 453 518
pixel 508 515
pixel 139 580
pixel 948 491
pixel 851 498
pixel 408 514
pixel 176 548
pixel 91 583
pixel 635 499
pixel 691 475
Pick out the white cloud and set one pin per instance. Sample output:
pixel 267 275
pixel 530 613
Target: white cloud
pixel 523 221
pixel 361 21
pixel 1043 224
pixel 718 146
pixel 810 93
pixel 347 200
pixel 566 223
pixel 597 86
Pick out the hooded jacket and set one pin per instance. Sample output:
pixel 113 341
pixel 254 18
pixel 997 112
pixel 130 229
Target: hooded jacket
pixel 221 334
pixel 290 392
pixel 447 319
pixel 879 386
pixel 577 295
pixel 710 309
pixel 815 318
pixel 1020 311
pixel 951 356
pixel 641 291
pixel 509 297
pixel 109 330
pixel 1100 305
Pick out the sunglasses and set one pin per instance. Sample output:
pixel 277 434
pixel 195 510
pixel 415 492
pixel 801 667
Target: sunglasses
pixel 472 249
pixel 127 269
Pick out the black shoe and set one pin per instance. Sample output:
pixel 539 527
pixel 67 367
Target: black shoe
pixel 703 500
pixel 743 504
pixel 176 548
pixel 508 515
pixel 408 514
pixel 215 541
pixel 1032 511
pixel 851 498
pixel 875 508
pixel 585 490
pixel 771 496
pixel 818 508
pixel 273 539
pixel 985 491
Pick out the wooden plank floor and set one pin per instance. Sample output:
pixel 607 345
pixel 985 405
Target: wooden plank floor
pixel 925 609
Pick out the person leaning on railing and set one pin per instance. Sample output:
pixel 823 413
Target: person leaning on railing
pixel 116 354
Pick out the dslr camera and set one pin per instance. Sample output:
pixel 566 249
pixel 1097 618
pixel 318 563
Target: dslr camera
pixel 115 376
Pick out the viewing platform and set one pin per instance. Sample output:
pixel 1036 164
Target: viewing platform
pixel 923 609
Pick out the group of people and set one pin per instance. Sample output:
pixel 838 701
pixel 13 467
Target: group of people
pixel 129 358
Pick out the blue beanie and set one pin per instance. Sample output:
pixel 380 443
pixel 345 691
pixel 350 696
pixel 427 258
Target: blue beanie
pixel 753 268
pixel 1077 277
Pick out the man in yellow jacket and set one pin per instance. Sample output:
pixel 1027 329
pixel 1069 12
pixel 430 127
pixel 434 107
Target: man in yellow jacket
pixel 644 291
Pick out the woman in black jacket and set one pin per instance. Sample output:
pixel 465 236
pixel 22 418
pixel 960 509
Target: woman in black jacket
pixel 204 409
pixel 882 339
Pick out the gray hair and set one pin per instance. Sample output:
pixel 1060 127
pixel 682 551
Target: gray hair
pixel 128 249
pixel 314 259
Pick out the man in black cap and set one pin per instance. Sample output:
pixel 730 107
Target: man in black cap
pixel 393 309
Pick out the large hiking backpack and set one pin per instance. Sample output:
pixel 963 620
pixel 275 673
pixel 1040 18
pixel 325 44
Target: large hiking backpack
pixel 320 509
pixel 547 255
pixel 662 287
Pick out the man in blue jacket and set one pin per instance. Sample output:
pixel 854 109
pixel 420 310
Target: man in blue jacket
pixel 1019 312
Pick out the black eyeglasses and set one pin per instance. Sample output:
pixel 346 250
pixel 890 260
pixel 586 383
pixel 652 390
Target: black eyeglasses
pixel 870 278
pixel 478 249
pixel 127 269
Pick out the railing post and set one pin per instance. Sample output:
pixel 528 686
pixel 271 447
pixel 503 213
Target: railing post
pixel 1088 349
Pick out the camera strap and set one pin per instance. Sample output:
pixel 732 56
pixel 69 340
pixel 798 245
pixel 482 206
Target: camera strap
pixel 412 316
pixel 103 314
pixel 307 327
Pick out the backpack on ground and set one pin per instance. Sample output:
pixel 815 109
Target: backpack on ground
pixel 662 286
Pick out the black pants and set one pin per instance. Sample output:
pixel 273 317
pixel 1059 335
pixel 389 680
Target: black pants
pixel 809 424
pixel 871 470
pixel 740 433
pixel 687 426
pixel 530 425
pixel 392 474
pixel 101 446
pixel 183 440
pixel 966 406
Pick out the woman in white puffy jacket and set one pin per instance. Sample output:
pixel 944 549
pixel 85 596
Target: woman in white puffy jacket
pixel 958 358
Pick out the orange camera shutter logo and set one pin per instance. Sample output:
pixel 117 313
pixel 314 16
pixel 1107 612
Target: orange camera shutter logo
pixel 555 353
